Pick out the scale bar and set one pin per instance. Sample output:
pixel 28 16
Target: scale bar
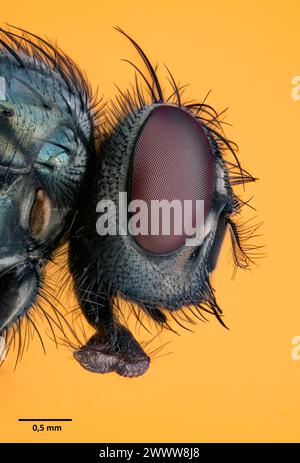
pixel 45 419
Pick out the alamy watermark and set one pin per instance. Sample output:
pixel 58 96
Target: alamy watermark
pixel 2 88
pixel 295 352
pixel 2 348
pixel 155 218
pixel 295 93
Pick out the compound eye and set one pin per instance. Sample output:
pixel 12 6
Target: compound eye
pixel 172 160
pixel 40 214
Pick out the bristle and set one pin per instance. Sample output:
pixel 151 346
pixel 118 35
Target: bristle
pixel 244 251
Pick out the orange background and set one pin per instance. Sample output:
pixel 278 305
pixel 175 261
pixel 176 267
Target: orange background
pixel 218 385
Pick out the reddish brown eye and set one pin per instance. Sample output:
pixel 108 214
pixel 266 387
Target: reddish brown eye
pixel 173 160
pixel 40 214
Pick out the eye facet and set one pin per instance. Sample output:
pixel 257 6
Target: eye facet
pixel 173 160
pixel 40 214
